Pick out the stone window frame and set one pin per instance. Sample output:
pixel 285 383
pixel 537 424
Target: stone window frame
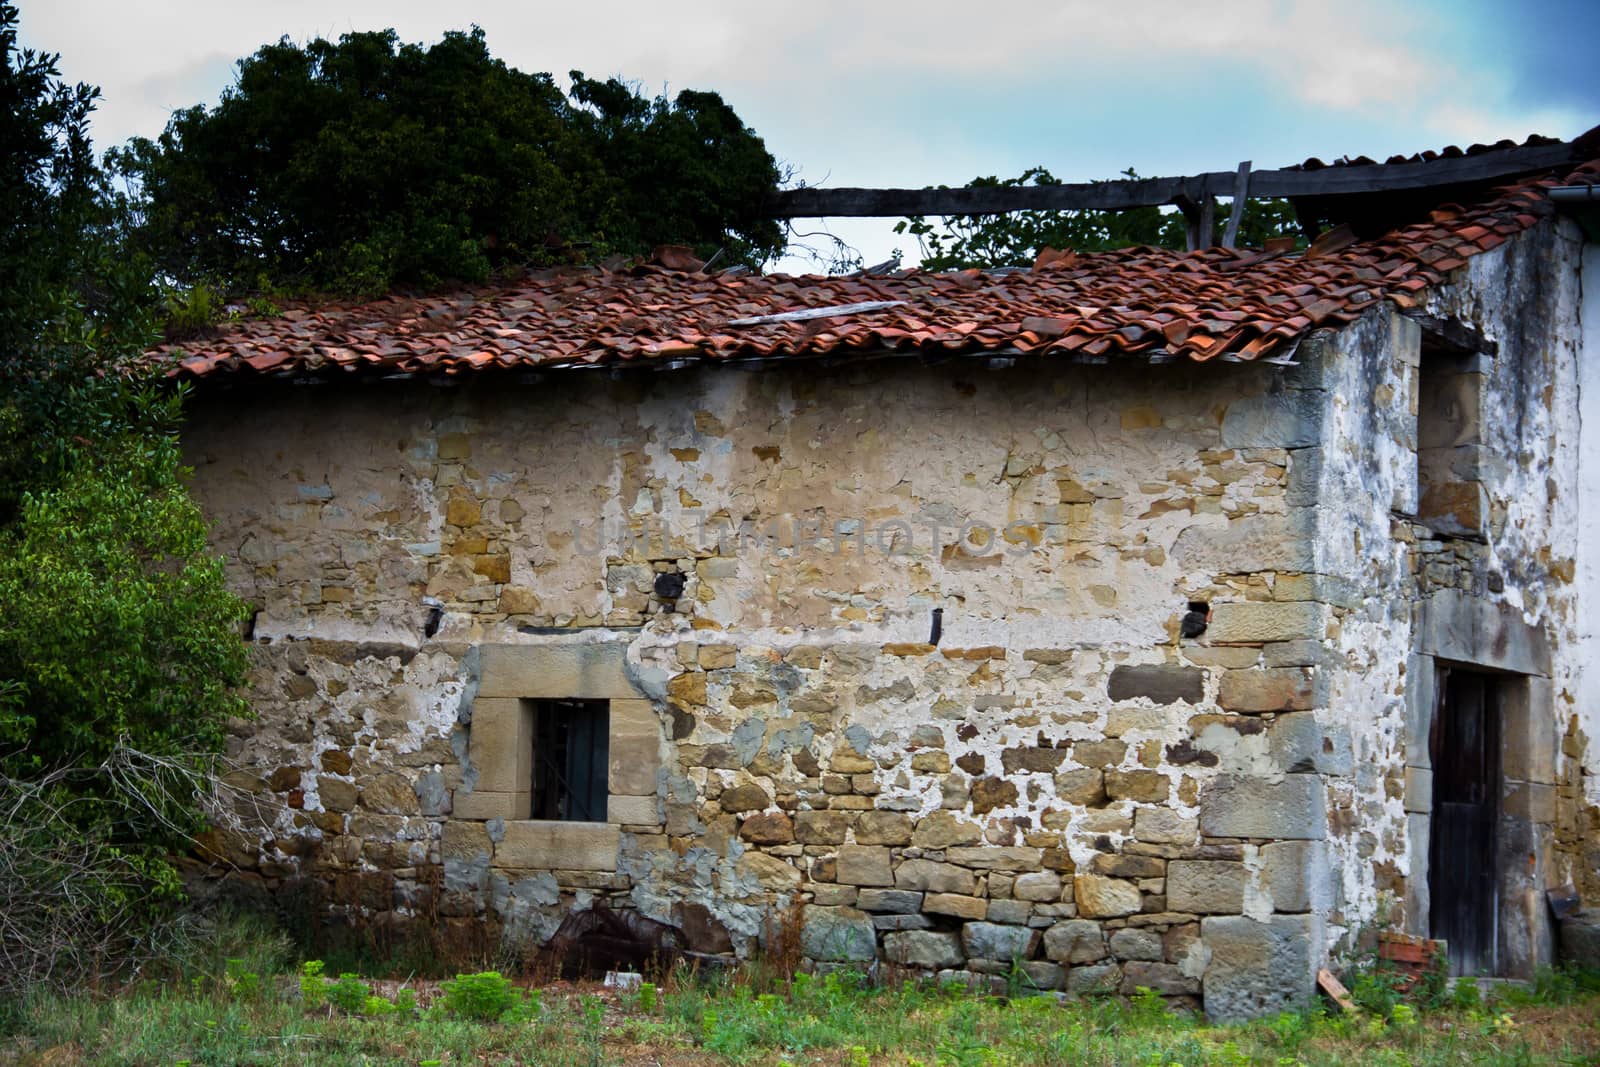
pixel 500 752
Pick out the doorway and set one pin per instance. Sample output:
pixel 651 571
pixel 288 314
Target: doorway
pixel 1463 875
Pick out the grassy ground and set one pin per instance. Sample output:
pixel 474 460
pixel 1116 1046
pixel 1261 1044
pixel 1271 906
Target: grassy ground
pixel 251 1008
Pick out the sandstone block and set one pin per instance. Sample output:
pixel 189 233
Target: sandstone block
pixel 390 794
pixel 932 877
pixel 941 829
pixel 1290 418
pixel 1030 759
pixel 992 941
pixel 566 846
pixel 1103 753
pixel 1164 978
pixel 1015 912
pixel 1126 718
pixel 1270 689
pixel 956 904
pixel 1150 787
pixel 1131 943
pixel 336 794
pixel 632 810
pixel 1097 979
pixel 768 828
pixel 847 760
pixel 838 935
pixel 1085 788
pixel 717 657
pixel 1263 542
pixel 1039 886
pixel 1205 887
pixel 1159 683
pixel 1290 808
pixel 897 901
pixel 1258 968
pixel 1009 858
pixel 821 827
pixel 883 828
pixel 1296 875
pixel 991 793
pixel 1125 866
pixel 745 797
pixel 1043 976
pixel 923 948
pixel 833 895
pixel 468 841
pixel 635 747
pixel 335 761
pixel 936 761
pixel 480 804
pixel 1299 744
pixel 1076 941
pixel 1260 622
pixel 864 865
pixel 1099 897
pixel 589 671
pixel 1302 653
pixel 772 873
pixel 500 744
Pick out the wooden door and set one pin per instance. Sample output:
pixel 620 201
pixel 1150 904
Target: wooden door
pixel 1462 874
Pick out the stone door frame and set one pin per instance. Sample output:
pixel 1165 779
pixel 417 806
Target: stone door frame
pixel 1473 633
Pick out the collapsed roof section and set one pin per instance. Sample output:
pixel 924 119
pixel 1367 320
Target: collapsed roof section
pixel 1146 303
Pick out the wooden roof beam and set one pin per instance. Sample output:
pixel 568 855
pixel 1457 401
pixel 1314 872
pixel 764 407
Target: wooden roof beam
pixel 1155 192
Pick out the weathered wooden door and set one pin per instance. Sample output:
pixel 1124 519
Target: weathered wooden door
pixel 1462 874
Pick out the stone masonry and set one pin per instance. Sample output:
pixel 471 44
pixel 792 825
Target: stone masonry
pixel 1062 784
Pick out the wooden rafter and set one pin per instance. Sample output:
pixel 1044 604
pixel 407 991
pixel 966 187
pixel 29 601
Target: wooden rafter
pixel 1196 189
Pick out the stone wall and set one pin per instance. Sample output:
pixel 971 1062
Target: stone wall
pixel 1483 581
pixel 1062 781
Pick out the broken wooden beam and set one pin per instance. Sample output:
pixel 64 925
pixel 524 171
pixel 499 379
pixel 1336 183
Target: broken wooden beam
pixel 1452 335
pixel 1241 196
pixel 1156 192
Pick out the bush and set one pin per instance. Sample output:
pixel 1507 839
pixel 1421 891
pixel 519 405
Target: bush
pixel 349 994
pixel 482 997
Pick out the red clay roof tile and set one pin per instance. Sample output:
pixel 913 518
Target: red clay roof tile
pixel 1145 302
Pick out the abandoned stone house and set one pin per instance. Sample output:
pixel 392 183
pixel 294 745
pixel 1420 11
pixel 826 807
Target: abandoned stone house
pixel 1141 618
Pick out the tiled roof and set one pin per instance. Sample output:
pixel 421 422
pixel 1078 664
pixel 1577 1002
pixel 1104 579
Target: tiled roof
pixel 1142 302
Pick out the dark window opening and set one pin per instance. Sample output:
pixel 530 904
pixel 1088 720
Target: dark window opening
pixel 1462 872
pixel 571 759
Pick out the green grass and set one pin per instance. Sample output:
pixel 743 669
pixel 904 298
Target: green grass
pixel 238 1001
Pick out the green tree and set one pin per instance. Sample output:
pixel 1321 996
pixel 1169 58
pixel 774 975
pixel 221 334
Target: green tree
pixel 962 241
pixel 119 649
pixel 358 165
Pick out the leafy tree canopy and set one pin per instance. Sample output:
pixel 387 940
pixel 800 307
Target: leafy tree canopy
pixel 359 165
pixel 119 648
pixel 962 241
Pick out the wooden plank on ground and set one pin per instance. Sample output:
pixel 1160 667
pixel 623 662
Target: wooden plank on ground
pixel 1330 984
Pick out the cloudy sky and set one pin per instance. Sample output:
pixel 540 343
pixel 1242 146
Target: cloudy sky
pixel 883 92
